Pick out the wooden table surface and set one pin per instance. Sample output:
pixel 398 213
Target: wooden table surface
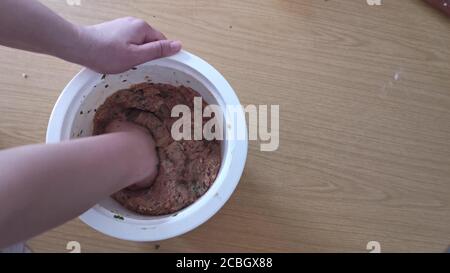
pixel 364 95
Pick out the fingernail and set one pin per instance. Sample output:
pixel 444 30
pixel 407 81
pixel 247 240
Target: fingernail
pixel 175 46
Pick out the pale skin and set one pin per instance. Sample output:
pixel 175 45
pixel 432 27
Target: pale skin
pixel 43 186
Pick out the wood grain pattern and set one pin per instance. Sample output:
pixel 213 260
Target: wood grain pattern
pixel 364 95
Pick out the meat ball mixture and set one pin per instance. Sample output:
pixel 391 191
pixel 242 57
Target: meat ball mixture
pixel 187 168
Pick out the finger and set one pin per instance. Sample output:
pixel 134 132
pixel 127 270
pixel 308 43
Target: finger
pixel 157 49
pixel 147 183
pixel 152 34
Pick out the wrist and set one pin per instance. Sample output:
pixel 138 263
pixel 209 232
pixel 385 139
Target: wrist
pixel 140 157
pixel 84 45
pixel 77 46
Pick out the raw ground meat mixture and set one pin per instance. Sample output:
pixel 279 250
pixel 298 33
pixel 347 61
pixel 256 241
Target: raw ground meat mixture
pixel 187 168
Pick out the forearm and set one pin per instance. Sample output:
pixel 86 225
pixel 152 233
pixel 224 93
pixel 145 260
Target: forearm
pixel 110 47
pixel 42 186
pixel 29 25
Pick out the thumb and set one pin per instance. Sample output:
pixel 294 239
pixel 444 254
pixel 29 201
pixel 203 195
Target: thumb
pixel 158 49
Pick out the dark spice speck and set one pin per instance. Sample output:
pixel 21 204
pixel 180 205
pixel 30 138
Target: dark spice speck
pixel 120 217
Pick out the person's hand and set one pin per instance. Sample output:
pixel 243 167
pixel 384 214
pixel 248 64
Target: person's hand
pixel 150 158
pixel 116 46
pixel 443 5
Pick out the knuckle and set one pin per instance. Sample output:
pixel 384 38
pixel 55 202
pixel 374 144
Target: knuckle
pixel 140 23
pixel 159 49
pixel 129 18
pixel 165 47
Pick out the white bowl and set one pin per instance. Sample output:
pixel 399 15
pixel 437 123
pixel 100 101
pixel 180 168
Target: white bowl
pixel 88 90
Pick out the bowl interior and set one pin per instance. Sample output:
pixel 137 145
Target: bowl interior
pixel 79 119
